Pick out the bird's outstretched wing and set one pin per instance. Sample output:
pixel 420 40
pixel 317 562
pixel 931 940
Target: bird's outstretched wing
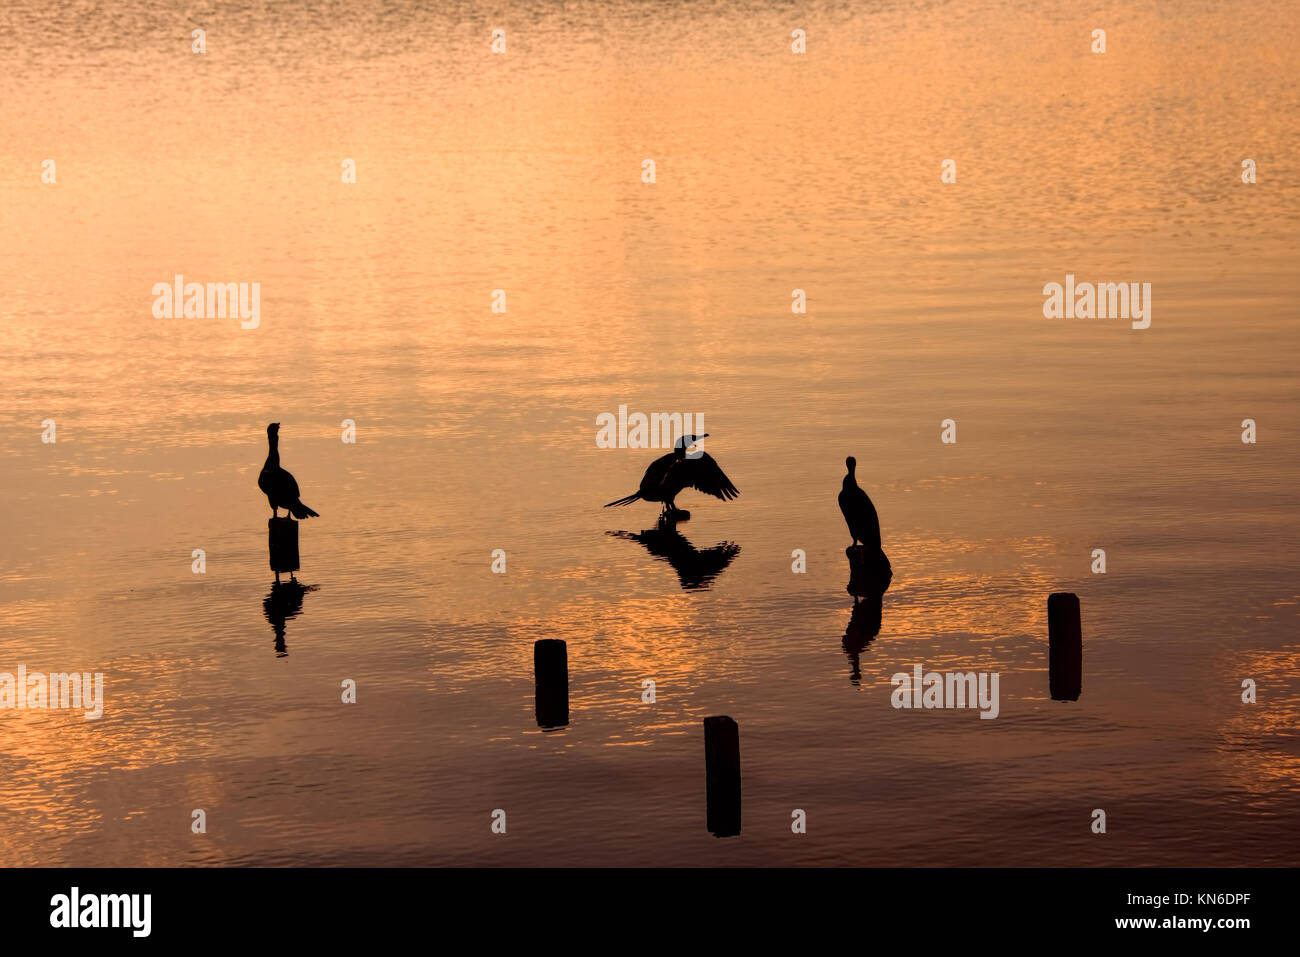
pixel 704 475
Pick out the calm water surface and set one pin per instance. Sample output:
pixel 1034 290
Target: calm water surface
pixel 476 430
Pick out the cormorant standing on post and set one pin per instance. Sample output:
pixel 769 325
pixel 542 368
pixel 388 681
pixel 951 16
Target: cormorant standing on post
pixel 280 487
pixel 869 569
pixel 859 513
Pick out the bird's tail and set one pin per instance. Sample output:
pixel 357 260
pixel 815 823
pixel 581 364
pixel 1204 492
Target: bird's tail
pixel 635 496
pixel 300 510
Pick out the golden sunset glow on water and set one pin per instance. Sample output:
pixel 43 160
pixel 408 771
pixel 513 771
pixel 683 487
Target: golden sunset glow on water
pixel 476 430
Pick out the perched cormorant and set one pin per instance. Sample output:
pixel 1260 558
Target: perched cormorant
pixel 280 488
pixel 869 569
pixel 858 511
pixel 669 474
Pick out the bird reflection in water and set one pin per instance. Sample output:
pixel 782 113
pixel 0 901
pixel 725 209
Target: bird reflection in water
pixel 281 604
pixel 695 567
pixel 864 625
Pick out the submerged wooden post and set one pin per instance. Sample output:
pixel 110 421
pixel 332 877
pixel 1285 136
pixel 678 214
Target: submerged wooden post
pixel 282 542
pixel 722 775
pixel 551 673
pixel 1065 646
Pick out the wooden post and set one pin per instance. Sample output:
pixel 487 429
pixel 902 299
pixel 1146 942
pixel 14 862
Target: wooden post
pixel 868 574
pixel 551 673
pixel 1065 646
pixel 722 775
pixel 282 543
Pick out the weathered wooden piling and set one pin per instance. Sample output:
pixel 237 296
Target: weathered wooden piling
pixel 869 574
pixel 551 673
pixel 282 543
pixel 722 775
pixel 1065 646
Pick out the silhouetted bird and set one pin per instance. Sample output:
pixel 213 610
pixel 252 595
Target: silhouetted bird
pixel 280 487
pixel 669 474
pixel 864 525
pixel 869 569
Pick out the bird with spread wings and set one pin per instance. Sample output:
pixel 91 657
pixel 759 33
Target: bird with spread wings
pixel 669 475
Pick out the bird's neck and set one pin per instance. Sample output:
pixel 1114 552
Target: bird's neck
pixel 273 454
